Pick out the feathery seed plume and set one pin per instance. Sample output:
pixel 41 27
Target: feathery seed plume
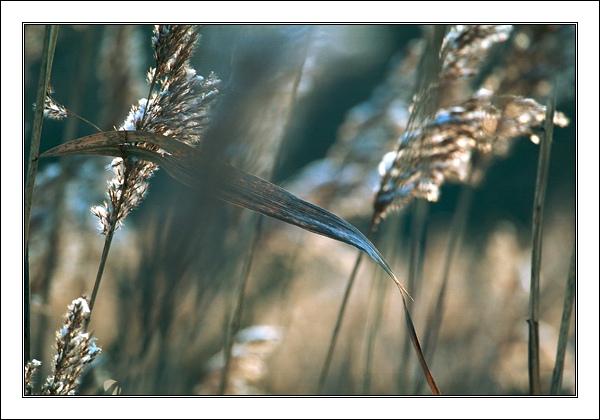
pixel 178 109
pixel 440 147
pixel 75 350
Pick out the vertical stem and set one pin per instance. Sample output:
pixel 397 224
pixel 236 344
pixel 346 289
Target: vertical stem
pixel 563 335
pixel 50 37
pixel 338 324
pixel 457 229
pixel 109 236
pixel 373 323
pixel 236 318
pixel 536 257
pixel 420 208
pixel 378 288
pixel 38 119
pixel 340 317
pixel 103 259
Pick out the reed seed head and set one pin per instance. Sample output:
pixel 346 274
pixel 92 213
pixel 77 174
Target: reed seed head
pixel 75 350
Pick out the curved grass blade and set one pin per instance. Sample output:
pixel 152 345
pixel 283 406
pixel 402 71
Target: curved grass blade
pixel 208 175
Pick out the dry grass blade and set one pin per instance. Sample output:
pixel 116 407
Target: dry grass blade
pixel 225 182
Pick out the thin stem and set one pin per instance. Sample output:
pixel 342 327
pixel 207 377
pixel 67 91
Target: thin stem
pixel 340 317
pixel 377 305
pixel 420 209
pixel 457 229
pixel 107 242
pixel 50 36
pixel 38 119
pixel 536 257
pixel 84 120
pixel 563 335
pixel 379 287
pixel 236 319
pixel 109 236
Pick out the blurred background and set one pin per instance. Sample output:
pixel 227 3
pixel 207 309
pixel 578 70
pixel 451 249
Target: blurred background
pixel 172 274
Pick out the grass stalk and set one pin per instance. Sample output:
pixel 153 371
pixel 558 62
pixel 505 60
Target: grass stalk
pixel 536 256
pixel 233 326
pixel 376 307
pixel 420 209
pixel 103 258
pixel 107 242
pixel 338 321
pixel 563 335
pixel 50 36
pixel 374 314
pixel 457 230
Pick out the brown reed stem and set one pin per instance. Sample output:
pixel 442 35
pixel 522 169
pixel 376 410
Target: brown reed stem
pixel 50 36
pixel 563 335
pixel 536 257
pixel 107 242
pixel 103 258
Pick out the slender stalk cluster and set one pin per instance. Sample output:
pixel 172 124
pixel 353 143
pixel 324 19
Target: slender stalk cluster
pixel 75 350
pixel 440 147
